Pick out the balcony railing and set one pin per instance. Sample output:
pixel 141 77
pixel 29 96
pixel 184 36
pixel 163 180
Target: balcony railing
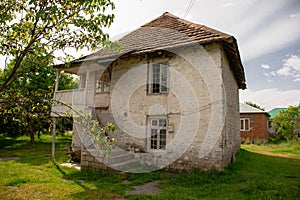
pixel 78 100
pixel 71 97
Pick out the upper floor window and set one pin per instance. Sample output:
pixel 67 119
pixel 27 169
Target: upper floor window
pixel 158 78
pixel 103 82
pixel 245 124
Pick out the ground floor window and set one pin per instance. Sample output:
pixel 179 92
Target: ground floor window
pixel 245 124
pixel 158 137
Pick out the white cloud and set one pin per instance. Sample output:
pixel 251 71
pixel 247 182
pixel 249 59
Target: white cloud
pixel 284 71
pixel 271 98
pixel 290 68
pixel 229 4
pixel 294 15
pixel 293 62
pixel 265 66
pixel 273 73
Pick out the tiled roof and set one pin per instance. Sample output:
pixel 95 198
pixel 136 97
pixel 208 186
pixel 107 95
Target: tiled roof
pixel 167 32
pixel 244 108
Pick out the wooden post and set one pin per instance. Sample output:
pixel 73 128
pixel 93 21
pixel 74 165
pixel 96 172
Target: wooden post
pixel 57 80
pixel 86 91
pixel 53 139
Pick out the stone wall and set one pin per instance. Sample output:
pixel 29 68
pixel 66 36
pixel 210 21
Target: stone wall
pixel 204 113
pixel 231 134
pixel 89 162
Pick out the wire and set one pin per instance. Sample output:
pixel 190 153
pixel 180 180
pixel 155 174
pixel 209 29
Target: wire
pixel 189 8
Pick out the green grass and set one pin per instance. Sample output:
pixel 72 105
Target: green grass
pixel 288 149
pixel 252 176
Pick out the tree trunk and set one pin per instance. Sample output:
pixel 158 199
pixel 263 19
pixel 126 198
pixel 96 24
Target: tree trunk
pixel 31 132
pixel 53 139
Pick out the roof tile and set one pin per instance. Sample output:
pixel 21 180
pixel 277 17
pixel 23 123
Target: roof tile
pixel 169 31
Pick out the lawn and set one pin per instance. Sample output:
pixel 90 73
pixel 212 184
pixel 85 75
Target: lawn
pixel 252 176
pixel 283 149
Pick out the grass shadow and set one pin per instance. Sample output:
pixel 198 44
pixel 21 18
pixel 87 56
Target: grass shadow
pixel 35 154
pixel 95 184
pixel 64 174
pixel 13 143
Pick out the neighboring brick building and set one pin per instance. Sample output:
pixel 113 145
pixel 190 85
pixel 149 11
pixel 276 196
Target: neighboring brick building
pixel 254 123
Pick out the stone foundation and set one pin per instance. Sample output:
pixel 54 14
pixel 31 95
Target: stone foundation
pixel 89 162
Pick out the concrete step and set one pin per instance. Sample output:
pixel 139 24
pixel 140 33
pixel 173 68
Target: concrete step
pixel 117 155
pixel 133 166
pixel 115 159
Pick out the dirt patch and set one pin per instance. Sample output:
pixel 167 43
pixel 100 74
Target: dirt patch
pixel 9 158
pixel 276 154
pixel 149 188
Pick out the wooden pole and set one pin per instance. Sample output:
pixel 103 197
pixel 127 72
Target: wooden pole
pixel 53 139
pixel 86 91
pixel 54 119
pixel 57 80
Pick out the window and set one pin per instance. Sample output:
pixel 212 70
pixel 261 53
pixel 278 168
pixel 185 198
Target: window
pixel 158 137
pixel 245 124
pixel 158 78
pixel 103 82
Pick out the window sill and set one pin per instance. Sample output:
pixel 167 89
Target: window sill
pixel 102 92
pixel 162 93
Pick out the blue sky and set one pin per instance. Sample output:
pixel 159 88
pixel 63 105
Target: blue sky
pixel 267 31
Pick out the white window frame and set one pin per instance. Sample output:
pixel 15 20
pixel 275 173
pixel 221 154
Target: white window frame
pixel 161 80
pixel 103 82
pixel 161 143
pixel 243 122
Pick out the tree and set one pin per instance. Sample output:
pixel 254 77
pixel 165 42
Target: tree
pixel 30 32
pixel 67 82
pixel 26 105
pixel 254 105
pixel 26 25
pixel 287 122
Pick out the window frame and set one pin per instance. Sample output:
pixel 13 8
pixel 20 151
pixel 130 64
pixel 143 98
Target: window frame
pixel 161 144
pixel 243 123
pixel 163 84
pixel 100 85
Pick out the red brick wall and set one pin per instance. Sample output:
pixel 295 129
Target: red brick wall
pixel 258 126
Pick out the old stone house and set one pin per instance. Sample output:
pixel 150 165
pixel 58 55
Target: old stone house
pixel 254 123
pixel 173 93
